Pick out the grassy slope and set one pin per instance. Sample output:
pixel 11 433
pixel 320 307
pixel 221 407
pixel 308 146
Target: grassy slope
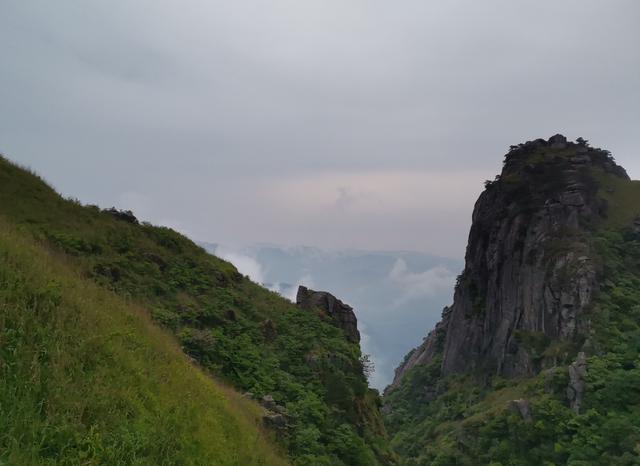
pixel 87 378
pixel 246 335
pixel 472 424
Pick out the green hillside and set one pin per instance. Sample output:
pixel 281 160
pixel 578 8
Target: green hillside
pixel 87 379
pixel 118 394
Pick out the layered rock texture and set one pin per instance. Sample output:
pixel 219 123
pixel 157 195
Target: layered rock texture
pixel 530 275
pixel 341 313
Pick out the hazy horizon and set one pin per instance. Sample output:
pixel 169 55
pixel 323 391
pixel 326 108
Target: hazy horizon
pixel 334 124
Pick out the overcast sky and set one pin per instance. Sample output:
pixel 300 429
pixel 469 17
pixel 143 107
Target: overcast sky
pixel 333 123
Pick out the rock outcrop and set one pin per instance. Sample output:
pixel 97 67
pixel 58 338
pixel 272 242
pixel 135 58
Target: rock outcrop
pixel 530 274
pixel 125 215
pixel 432 346
pixel 577 383
pixel 341 314
pixel 523 408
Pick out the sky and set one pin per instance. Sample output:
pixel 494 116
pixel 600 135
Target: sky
pixel 397 296
pixel 331 123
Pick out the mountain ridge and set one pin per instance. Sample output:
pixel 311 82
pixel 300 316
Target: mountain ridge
pixel 546 296
pixel 250 338
pixel 511 225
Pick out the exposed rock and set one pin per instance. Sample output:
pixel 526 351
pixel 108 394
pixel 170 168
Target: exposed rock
pixel 577 384
pixel 432 345
pixel 277 416
pixel 529 274
pixel 341 314
pixel 523 408
pixel 527 264
pixel 268 402
pixel 280 410
pixel 125 215
pixel 558 141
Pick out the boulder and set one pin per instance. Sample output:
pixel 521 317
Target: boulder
pixel 268 402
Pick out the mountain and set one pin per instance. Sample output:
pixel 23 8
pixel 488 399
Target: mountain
pixel 537 359
pixel 389 290
pixel 126 343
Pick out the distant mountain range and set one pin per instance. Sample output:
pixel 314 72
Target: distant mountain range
pixel 395 294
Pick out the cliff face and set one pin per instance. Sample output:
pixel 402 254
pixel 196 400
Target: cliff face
pixel 341 314
pixel 530 274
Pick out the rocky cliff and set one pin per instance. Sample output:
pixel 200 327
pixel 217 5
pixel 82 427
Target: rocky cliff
pixel 530 274
pixel 341 313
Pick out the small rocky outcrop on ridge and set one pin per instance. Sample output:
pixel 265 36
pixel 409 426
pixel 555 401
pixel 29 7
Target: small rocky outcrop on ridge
pixel 124 215
pixel 341 313
pixel 530 274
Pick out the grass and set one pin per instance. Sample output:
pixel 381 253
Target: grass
pixel 217 316
pixel 622 200
pixel 88 379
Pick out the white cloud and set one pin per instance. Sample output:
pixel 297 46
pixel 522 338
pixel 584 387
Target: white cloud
pixel 306 280
pixel 376 192
pixel 246 265
pixel 250 266
pixel 331 123
pixel 380 377
pixel 418 285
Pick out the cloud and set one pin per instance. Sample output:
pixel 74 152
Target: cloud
pixel 345 198
pixel 246 265
pixel 379 377
pixel 305 280
pixel 375 209
pixel 420 285
pixel 290 121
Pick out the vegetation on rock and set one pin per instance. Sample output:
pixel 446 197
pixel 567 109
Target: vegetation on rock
pixel 577 401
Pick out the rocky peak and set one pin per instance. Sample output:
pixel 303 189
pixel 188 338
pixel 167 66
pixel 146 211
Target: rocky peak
pixel 341 314
pixel 530 274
